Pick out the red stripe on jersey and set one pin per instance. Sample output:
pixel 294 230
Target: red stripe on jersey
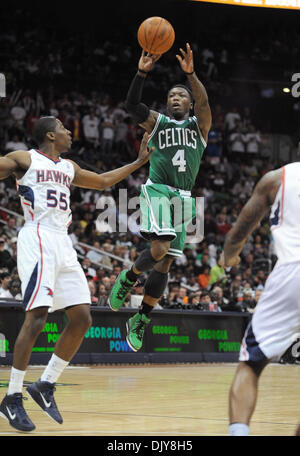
pixel 30 212
pixel 45 155
pixel 41 273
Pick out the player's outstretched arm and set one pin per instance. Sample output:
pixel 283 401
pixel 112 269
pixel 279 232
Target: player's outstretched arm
pixel 13 162
pixel 91 180
pixel 139 111
pixel 201 108
pixel 251 214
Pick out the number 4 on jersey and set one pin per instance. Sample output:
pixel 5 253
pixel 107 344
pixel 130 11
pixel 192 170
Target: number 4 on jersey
pixel 178 160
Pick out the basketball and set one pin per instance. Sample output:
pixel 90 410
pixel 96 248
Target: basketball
pixel 156 35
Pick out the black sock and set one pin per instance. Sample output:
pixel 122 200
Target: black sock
pixel 132 276
pixel 145 309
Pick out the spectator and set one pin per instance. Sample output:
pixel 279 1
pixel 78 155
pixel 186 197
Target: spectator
pixel 5 257
pixel 18 114
pixel 76 128
pixel 248 303
pixel 103 295
pixel 237 142
pixel 182 297
pixel 94 256
pixel 246 120
pixel 213 149
pixel 222 225
pixel 218 118
pixel 15 144
pixel 257 295
pixel 10 228
pixel 107 131
pixel 231 119
pixel 194 301
pixel 191 282
pixel 5 282
pixel 205 301
pixel 252 140
pixel 93 291
pixel 217 295
pixel 91 127
pixel 88 270
pixel 204 278
pixel 107 261
pixel 15 289
pixel 217 274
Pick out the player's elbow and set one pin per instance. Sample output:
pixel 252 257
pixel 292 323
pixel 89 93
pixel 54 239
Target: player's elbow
pixel 102 186
pixel 139 112
pixel 130 107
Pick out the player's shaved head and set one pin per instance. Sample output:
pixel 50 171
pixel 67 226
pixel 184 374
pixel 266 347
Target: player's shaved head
pixel 42 127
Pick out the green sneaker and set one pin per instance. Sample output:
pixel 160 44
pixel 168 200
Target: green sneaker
pixel 135 330
pixel 119 291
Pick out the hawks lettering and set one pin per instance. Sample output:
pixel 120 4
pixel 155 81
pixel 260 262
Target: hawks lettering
pixel 59 177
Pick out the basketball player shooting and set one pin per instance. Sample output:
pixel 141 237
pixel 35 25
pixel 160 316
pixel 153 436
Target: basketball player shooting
pixel 276 321
pixel 179 140
pixel 51 276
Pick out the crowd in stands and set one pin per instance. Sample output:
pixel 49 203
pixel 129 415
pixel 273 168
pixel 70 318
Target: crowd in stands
pixel 105 137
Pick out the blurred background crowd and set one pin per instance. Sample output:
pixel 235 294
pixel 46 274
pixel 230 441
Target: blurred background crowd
pixel 82 78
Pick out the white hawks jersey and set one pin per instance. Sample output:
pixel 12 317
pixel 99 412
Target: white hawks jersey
pixel 45 191
pixel 285 216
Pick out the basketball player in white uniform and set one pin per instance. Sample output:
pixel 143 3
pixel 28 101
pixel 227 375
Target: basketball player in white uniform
pixel 51 275
pixel 276 322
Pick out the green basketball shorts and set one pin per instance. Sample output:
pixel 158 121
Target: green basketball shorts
pixel 166 211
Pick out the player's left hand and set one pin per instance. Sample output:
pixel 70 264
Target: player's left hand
pixel 229 262
pixel 186 60
pixel 144 152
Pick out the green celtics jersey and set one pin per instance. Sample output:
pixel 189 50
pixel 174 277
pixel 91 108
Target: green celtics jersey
pixel 178 148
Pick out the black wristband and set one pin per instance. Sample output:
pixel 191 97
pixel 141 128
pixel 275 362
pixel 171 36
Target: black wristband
pixel 190 73
pixel 142 71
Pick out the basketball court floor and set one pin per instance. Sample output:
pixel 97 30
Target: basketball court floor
pixel 158 400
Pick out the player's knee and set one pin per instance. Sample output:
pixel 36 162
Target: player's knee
pixel 35 321
pixel 159 249
pixel 164 265
pixel 257 366
pixel 80 318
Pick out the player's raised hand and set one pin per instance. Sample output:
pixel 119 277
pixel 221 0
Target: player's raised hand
pixel 186 59
pixel 144 152
pixel 147 61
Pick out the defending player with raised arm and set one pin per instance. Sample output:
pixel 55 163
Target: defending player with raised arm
pixel 179 140
pixel 251 214
pixel 275 324
pixel 51 276
pixel 57 140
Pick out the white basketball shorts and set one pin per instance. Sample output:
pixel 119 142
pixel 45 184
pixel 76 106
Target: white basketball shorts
pixel 276 321
pixel 49 270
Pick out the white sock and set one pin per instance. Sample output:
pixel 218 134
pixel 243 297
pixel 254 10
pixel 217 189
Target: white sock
pixel 53 370
pixel 16 381
pixel 238 429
